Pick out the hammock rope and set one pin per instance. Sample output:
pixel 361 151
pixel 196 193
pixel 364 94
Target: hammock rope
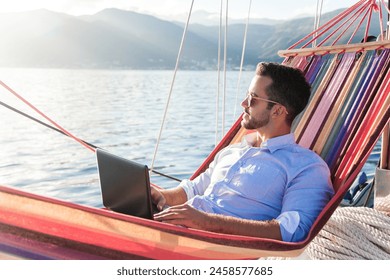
pixel 41 122
pixel 63 133
pixel 327 25
pixel 56 127
pixel 344 21
pixel 351 21
pixel 46 117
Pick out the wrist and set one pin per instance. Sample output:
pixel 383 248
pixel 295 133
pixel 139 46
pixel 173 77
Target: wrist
pixel 174 196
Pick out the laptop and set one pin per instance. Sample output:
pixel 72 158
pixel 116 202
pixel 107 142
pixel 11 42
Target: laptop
pixel 125 185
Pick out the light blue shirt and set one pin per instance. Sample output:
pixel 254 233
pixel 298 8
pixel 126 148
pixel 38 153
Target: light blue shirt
pixel 278 180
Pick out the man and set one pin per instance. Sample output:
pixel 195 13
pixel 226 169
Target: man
pixel 267 186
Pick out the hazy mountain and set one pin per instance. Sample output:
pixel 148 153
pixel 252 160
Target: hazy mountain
pixel 111 38
pixel 212 19
pixel 115 38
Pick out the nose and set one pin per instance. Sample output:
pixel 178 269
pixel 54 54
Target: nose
pixel 244 102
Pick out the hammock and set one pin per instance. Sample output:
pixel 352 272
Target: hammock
pixel 348 110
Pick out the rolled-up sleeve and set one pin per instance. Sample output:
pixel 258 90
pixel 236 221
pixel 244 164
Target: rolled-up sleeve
pixel 304 199
pixel 198 185
pixel 227 156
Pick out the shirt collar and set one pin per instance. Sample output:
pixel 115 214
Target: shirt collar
pixel 276 143
pixel 271 144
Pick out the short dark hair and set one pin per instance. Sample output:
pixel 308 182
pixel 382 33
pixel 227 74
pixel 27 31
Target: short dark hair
pixel 289 87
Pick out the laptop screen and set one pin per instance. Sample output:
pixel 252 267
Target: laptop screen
pixel 125 185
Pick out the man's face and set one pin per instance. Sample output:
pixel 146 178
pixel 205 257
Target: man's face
pixel 256 115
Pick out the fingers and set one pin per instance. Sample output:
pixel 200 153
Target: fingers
pixel 183 215
pixel 169 213
pixel 170 216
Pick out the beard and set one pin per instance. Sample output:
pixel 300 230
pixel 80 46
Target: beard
pixel 250 122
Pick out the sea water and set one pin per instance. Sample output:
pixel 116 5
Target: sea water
pixel 118 110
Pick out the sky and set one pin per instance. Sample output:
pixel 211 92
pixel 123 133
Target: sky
pixel 276 9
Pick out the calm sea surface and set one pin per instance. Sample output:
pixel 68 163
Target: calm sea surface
pixel 119 110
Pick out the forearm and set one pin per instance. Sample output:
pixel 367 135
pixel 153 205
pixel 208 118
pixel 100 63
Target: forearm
pixel 231 225
pixel 186 215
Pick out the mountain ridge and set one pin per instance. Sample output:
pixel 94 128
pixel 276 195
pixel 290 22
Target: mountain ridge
pixel 114 38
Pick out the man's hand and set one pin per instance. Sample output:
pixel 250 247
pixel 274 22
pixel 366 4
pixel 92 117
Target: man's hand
pixel 167 197
pixel 158 197
pixel 188 216
pixel 183 215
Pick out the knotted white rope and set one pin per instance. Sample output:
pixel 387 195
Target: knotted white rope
pixel 355 233
pixel 352 233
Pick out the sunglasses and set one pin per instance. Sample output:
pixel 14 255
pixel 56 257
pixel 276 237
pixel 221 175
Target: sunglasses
pixel 249 97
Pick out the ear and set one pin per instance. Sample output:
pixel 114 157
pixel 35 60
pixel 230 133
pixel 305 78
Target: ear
pixel 277 110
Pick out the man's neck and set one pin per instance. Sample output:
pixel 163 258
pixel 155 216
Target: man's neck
pixel 263 136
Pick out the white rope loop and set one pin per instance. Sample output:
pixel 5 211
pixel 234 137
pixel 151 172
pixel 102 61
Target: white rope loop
pixel 355 233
